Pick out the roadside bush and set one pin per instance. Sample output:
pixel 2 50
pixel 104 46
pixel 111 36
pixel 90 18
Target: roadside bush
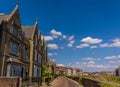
pixel 107 85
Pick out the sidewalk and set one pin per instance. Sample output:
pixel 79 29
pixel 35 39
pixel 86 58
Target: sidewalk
pixel 54 82
pixel 75 82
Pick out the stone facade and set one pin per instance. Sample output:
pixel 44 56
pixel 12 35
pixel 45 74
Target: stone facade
pixel 31 33
pixel 22 51
pixel 44 53
pixel 69 72
pixel 14 47
pixel 117 72
pixel 52 67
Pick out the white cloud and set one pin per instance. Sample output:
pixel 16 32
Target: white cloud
pixel 91 40
pixel 52 54
pixel 48 38
pixel 88 58
pixel 112 57
pixel 71 37
pixel 52 46
pixel 91 62
pixel 92 66
pixel 112 62
pixel 93 46
pixel 56 33
pixel 54 36
pixel 83 45
pixel 100 66
pixel 64 37
pixel 84 63
pixel 71 43
pixel 104 45
pixel 53 60
pixel 77 62
pixel 115 43
pixel 60 65
pixel 116 40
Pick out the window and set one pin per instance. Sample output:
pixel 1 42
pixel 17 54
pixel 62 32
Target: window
pixel 25 53
pixel 39 58
pixel 40 47
pixel 8 69
pixel 35 53
pixel 14 47
pixel 36 41
pixel 15 31
pixel 35 71
pixel 39 72
pixel 14 70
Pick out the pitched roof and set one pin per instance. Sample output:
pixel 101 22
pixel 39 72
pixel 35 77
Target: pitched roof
pixel 9 16
pixel 28 30
pixel 4 17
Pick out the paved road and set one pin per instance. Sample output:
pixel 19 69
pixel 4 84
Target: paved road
pixel 64 82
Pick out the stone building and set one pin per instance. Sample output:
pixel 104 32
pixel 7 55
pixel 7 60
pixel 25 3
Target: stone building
pixel 31 33
pixel 44 52
pixel 68 71
pixel 60 70
pixel 76 72
pixel 52 67
pixel 22 51
pixel 117 71
pixel 14 47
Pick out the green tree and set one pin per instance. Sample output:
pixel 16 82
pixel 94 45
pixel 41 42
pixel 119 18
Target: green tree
pixel 45 72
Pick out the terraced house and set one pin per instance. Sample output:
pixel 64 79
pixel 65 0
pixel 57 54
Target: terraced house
pixel 31 33
pixel 22 50
pixel 14 47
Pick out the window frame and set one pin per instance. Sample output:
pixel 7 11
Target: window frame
pixel 15 31
pixel 13 48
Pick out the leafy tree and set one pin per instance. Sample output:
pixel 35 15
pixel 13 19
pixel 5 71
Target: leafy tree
pixel 45 72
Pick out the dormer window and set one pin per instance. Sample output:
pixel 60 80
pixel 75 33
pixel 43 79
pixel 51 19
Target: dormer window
pixel 15 31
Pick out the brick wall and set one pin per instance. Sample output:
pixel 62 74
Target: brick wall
pixel 90 83
pixel 10 82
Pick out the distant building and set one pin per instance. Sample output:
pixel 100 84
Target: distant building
pixel 69 72
pixel 60 70
pixel 52 66
pixel 117 72
pixel 76 72
pixel 85 74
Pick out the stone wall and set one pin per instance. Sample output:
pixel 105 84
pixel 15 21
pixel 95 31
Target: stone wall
pixel 90 83
pixel 10 82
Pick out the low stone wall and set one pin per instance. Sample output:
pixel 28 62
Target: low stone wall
pixel 90 83
pixel 10 82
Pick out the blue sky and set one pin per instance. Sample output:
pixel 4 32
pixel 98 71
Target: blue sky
pixel 79 33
